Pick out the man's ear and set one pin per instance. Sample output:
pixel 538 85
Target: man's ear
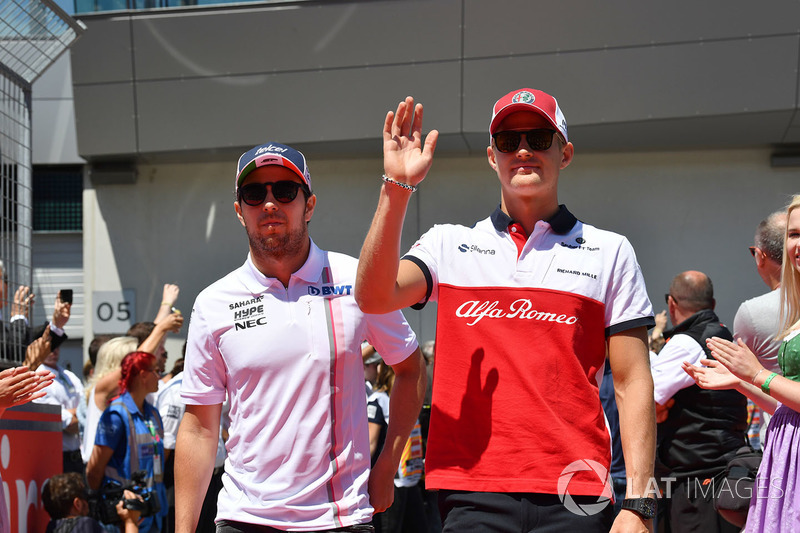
pixel 567 155
pixel 761 258
pixel 311 203
pixel 238 208
pixel 490 155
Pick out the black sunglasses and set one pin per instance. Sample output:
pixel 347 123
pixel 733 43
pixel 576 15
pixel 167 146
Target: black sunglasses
pixel 284 191
pixel 508 141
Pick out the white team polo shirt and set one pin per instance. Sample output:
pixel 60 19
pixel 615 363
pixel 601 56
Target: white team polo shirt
pixel 290 359
pixel 520 350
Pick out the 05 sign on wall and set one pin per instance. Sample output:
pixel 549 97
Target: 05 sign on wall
pixel 114 311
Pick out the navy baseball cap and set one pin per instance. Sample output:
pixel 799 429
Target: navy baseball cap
pixel 272 154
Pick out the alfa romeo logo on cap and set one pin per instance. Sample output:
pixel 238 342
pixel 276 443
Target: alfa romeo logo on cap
pixel 523 97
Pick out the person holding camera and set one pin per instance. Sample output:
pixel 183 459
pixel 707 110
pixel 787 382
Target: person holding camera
pixel 66 500
pixel 130 439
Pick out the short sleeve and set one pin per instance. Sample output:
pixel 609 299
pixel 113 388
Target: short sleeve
pixel 171 409
pixel 204 369
pixel 743 328
pixel 110 430
pixel 424 254
pixel 374 412
pixel 391 336
pixel 627 305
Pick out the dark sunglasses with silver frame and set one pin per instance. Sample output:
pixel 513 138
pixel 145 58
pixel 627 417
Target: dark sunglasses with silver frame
pixel 508 141
pixel 284 191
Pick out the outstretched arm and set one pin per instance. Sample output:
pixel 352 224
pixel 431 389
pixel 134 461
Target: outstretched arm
pixel 383 284
pixel 168 298
pixel 172 322
pixel 633 386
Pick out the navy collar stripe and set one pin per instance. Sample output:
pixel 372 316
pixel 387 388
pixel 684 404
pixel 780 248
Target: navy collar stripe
pixel 562 222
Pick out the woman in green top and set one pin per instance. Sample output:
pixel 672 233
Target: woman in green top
pixel 775 504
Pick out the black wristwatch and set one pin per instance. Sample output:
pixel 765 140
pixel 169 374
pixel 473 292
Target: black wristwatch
pixel 646 507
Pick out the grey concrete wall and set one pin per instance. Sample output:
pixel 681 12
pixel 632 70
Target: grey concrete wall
pixel 643 75
pixel 53 113
pixel 681 210
pixel 674 110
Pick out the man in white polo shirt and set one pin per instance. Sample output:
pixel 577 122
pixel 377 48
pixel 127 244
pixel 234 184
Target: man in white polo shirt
pixel 529 300
pixel 282 336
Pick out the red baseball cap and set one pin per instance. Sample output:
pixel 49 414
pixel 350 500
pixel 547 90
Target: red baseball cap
pixel 529 100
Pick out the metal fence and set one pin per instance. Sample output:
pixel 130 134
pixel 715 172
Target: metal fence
pixel 33 34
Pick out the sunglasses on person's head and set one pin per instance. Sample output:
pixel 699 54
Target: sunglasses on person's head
pixel 508 141
pixel 284 191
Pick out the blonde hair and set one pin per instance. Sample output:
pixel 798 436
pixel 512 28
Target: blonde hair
pixel 790 281
pixel 109 358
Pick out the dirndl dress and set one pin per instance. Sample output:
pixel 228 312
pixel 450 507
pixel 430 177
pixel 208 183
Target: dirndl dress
pixel 775 505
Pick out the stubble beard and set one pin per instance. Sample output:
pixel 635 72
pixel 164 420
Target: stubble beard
pixel 278 246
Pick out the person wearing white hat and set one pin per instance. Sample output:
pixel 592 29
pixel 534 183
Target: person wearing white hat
pixel 529 301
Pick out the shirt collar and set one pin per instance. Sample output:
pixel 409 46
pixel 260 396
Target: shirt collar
pixel 127 399
pixel 257 283
pixel 561 223
pixel 704 315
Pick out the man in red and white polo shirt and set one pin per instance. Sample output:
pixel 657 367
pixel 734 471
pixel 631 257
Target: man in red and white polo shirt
pixel 529 301
pixel 281 337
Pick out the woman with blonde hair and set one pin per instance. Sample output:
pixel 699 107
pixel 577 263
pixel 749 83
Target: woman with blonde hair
pixel 104 385
pixel 775 504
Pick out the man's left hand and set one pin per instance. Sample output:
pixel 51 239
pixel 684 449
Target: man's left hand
pixel 381 485
pixel 630 522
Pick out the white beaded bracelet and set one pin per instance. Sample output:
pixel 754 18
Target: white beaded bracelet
pixel 405 186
